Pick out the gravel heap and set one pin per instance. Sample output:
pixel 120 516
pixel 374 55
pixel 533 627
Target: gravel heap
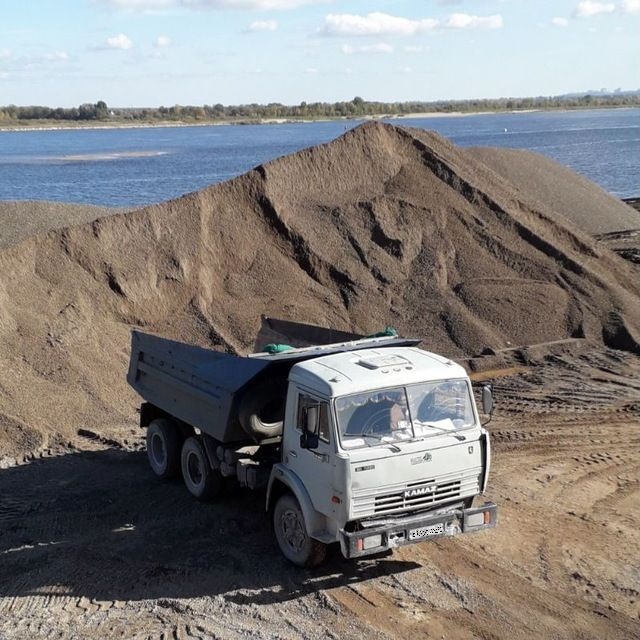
pixel 383 226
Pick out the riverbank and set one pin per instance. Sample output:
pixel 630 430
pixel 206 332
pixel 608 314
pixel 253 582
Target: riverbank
pixel 63 126
pixel 55 125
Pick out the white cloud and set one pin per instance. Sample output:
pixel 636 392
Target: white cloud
pixel 375 24
pixel 56 56
pixel 118 42
pixel 140 5
pixel 466 21
pixel 414 48
pixel 263 25
pixel 631 6
pixel 588 8
pixel 380 47
pixel 154 5
pixel 51 60
pixel 559 22
pixel 263 5
pixel 162 42
pixel 311 70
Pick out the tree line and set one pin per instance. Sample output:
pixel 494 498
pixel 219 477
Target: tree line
pixel 358 107
pixel 97 111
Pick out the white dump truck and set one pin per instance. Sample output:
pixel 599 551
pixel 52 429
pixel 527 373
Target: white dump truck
pixel 368 442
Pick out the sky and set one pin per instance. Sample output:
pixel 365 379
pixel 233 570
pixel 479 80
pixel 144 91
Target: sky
pixel 136 53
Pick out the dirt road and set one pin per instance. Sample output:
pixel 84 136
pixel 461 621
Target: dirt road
pixel 93 546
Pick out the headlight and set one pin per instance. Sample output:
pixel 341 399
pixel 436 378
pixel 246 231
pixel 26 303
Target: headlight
pixel 372 541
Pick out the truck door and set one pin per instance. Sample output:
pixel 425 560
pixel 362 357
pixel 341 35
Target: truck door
pixel 313 467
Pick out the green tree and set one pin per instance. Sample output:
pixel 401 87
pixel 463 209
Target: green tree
pixel 102 111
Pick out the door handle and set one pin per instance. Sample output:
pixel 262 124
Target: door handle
pixel 293 454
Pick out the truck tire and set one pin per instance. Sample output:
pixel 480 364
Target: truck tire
pixel 202 482
pixel 291 534
pixel 261 411
pixel 163 447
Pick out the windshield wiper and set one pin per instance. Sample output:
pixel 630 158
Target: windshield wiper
pixel 457 436
pixel 392 446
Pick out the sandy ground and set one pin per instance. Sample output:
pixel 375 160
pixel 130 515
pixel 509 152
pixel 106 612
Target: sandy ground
pixel 93 546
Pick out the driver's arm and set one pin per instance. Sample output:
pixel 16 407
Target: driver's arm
pixel 396 415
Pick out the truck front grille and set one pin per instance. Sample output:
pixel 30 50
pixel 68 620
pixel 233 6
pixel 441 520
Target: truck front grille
pixel 417 495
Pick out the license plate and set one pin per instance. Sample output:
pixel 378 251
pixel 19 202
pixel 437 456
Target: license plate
pixel 425 532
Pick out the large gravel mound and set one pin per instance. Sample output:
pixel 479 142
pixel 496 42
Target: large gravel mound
pixel 383 226
pixel 550 184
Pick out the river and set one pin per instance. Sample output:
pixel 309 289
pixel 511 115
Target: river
pixel 135 166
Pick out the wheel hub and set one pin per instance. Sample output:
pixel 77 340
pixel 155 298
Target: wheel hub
pixel 292 530
pixel 194 468
pixel 158 450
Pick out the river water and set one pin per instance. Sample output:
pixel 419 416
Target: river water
pixel 128 167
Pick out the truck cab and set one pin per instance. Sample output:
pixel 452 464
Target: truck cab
pixel 380 448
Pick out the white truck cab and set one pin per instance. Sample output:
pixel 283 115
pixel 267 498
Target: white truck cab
pixel 380 447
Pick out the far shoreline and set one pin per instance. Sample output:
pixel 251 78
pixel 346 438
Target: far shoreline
pixel 76 125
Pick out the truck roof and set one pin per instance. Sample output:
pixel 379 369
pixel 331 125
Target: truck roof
pixel 349 372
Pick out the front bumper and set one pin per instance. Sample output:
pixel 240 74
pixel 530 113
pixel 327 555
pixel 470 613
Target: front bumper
pixel 397 532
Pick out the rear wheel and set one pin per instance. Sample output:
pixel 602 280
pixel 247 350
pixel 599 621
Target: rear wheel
pixel 202 482
pixel 163 447
pixel 291 533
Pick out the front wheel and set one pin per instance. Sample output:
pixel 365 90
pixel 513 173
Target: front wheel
pixel 291 533
pixel 202 482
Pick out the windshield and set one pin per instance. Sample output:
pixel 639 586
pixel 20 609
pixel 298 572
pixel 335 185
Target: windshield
pixel 404 413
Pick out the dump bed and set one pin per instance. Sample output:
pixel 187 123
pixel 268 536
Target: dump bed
pixel 204 388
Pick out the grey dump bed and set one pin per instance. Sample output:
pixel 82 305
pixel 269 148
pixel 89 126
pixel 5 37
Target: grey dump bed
pixel 204 388
pixel 195 385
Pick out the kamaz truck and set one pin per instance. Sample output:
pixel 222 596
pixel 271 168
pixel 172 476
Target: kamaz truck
pixel 369 442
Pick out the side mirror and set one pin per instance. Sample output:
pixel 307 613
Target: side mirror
pixel 487 399
pixel 310 438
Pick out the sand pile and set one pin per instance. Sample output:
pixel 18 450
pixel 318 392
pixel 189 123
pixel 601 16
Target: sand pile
pixel 383 226
pixel 548 183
